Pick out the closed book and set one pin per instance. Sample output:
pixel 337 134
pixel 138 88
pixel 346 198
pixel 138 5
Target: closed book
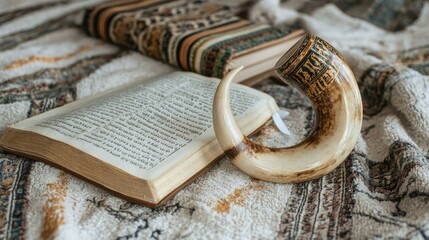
pixel 198 36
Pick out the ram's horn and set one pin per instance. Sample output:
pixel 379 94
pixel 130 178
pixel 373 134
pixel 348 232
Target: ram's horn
pixel 320 72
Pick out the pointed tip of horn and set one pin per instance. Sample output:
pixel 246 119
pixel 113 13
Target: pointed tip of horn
pixel 231 74
pixel 226 129
pixel 237 69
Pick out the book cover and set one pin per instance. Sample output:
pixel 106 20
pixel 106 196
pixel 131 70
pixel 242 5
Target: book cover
pixel 198 36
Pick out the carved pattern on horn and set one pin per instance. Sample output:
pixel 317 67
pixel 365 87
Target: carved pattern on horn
pixel 321 73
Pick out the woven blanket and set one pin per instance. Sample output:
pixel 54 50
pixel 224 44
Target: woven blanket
pixel 380 191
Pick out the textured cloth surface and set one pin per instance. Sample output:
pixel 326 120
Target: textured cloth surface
pixel 381 189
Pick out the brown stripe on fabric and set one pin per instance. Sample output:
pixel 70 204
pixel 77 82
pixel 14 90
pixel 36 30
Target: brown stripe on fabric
pixel 12 40
pixel 51 81
pixel 54 207
pixel 81 66
pixel 347 201
pixel 96 11
pixel 321 208
pixel 237 197
pixel 291 220
pixel 191 39
pixel 21 62
pixel 315 209
pixel 335 185
pixel 16 13
pixel 105 15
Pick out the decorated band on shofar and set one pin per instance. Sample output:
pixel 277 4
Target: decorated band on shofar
pixel 321 73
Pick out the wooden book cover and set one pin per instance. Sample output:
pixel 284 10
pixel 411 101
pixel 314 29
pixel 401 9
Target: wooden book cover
pixel 143 141
pixel 198 36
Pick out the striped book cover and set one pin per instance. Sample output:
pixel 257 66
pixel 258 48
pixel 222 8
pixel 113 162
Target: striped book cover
pixel 194 35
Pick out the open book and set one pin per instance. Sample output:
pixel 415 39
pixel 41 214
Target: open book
pixel 198 36
pixel 143 141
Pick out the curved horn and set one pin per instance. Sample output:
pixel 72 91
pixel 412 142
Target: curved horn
pixel 321 73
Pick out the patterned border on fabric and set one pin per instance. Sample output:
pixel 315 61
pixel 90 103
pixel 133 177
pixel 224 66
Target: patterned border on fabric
pixel 321 208
pixel 393 181
pixel 14 173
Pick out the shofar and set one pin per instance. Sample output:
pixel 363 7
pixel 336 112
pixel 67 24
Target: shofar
pixel 321 73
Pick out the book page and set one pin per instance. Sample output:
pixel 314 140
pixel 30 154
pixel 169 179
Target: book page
pixel 146 128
